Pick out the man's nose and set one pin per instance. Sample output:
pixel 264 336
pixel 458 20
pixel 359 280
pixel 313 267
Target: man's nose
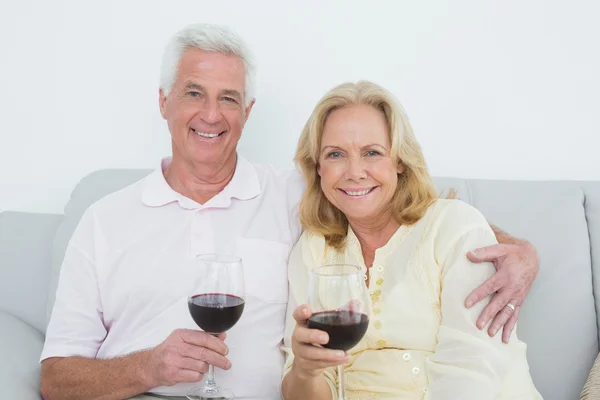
pixel 211 112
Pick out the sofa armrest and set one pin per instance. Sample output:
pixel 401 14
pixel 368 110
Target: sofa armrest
pixel 591 390
pixel 20 349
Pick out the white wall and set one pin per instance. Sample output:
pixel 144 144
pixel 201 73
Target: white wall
pixel 495 89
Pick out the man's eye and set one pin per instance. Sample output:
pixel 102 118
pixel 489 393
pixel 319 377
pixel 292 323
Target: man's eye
pixel 193 94
pixel 230 99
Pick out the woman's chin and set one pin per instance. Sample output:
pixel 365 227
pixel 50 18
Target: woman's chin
pixel 360 216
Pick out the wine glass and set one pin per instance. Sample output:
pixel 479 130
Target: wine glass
pixel 340 304
pixel 216 305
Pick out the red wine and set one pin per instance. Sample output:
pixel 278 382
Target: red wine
pixel 345 328
pixel 216 312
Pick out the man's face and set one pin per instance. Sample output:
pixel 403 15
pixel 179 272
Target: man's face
pixel 205 108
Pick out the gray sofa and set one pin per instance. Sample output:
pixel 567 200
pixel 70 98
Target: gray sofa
pixel 558 321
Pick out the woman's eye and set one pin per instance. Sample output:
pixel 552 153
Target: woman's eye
pixel 372 153
pixel 334 154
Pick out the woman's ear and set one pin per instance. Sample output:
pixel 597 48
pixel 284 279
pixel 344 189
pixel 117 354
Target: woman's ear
pixel 319 169
pixel 400 168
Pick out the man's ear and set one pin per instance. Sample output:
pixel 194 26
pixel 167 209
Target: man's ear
pixel 248 110
pixel 162 100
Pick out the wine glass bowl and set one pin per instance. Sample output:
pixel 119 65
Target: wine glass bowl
pixel 345 328
pixel 215 312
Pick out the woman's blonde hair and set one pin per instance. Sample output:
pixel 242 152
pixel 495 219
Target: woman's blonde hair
pixel 416 190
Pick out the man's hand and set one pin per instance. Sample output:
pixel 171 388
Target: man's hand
pixel 184 357
pixel 517 266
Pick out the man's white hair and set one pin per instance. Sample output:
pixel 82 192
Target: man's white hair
pixel 206 37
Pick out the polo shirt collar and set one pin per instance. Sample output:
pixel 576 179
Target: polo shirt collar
pixel 244 185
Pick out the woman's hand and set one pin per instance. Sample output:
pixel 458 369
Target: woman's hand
pixel 310 359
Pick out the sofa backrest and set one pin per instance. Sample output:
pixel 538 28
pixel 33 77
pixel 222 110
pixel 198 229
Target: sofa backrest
pixel 25 253
pixel 562 219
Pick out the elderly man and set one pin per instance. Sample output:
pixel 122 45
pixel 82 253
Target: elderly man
pixel 120 325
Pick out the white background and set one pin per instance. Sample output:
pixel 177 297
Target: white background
pixel 494 89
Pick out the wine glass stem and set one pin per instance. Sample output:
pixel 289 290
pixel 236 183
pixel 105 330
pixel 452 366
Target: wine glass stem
pixel 211 386
pixel 341 383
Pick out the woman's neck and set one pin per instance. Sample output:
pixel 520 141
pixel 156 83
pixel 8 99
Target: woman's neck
pixel 373 235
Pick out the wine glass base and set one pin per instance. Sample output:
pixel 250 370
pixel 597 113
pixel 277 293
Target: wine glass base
pixel 199 394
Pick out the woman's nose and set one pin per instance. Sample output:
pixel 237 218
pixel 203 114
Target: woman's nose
pixel 356 170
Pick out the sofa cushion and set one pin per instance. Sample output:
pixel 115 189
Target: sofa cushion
pixel 20 347
pixel 25 259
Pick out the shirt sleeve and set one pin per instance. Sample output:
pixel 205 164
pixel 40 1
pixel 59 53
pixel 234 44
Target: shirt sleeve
pixel 300 262
pixel 467 364
pixel 76 325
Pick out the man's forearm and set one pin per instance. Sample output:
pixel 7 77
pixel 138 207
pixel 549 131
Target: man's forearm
pixel 92 379
pixel 505 238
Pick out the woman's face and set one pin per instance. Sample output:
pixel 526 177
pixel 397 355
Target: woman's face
pixel 358 174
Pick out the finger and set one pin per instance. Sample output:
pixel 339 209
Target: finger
pixel 353 305
pixel 495 306
pixel 203 339
pixel 310 336
pixel 510 325
pixel 186 375
pixel 489 253
pixel 192 364
pixel 490 286
pixel 319 354
pixel 501 318
pixel 205 354
pixel 302 313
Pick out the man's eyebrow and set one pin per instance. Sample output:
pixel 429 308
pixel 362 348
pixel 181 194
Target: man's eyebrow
pixel 192 85
pixel 232 92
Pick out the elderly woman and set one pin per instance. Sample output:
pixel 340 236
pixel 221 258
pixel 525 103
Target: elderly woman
pixel 371 202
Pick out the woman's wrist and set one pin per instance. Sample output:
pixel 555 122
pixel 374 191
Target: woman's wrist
pixel 306 377
pixel 298 384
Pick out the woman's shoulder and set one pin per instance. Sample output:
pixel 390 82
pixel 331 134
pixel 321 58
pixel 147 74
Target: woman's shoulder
pixel 455 217
pixel 451 221
pixel 309 239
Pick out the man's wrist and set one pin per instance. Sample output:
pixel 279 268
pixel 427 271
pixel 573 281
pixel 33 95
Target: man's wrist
pixel 531 251
pixel 504 238
pixel 142 369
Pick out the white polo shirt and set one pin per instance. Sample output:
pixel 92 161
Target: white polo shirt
pixel 124 282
